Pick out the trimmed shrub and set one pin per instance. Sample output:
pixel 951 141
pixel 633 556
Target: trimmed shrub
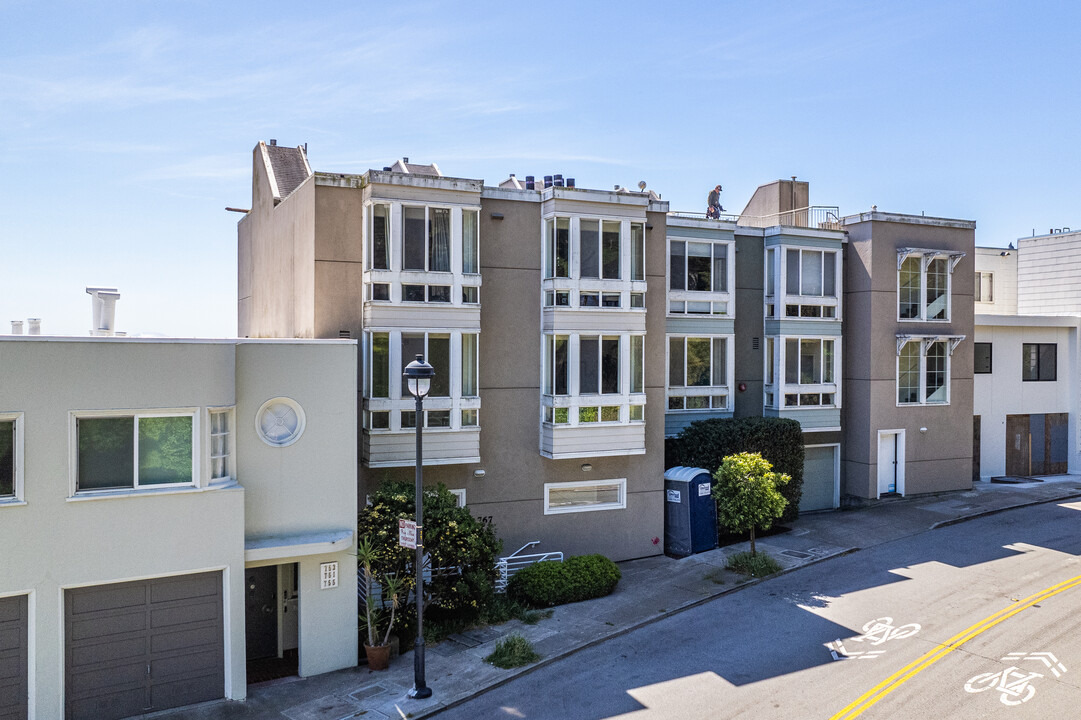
pixel 582 577
pixel 706 443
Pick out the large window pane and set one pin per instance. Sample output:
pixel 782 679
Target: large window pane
pixel 589 232
pixel 610 249
pixel 698 361
pixel 769 361
pixel 827 361
pixel 936 372
pixel 810 362
pixel 699 267
pixel 469 365
pixel 439 358
pixel 638 377
pixel 791 361
pixel 1048 362
pixel 638 252
pixel 610 365
pixel 380 248
pixel 380 365
pixel 106 453
pixel 588 365
pixel 771 271
pixel 829 274
pixel 908 282
pixel 908 373
pixel 811 273
pixel 7 457
pixel 562 365
pixel 470 242
pixel 164 450
pixel 584 496
pixel 439 240
pixel 720 362
pixel 675 362
pixel 937 280
pixel 563 247
pixel 413 238
pixel 720 268
pixel 412 345
pixel 678 265
pixel 792 272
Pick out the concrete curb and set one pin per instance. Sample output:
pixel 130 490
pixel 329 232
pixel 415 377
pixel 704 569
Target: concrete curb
pixel 519 672
pixel 996 511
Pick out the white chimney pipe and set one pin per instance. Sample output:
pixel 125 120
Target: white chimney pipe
pixel 16 327
pixel 34 326
pixel 103 310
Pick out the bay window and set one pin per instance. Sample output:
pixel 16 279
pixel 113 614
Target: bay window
pixel 698 277
pixel 698 373
pixel 590 378
pixel 801 372
pixel 923 369
pixel 809 282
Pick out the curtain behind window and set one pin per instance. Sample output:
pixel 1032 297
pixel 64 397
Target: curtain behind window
pixel 439 240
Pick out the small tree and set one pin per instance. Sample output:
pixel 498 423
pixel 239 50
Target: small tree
pixel 747 495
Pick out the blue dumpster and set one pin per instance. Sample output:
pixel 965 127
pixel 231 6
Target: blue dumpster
pixel 690 513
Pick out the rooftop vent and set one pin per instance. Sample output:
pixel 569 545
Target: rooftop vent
pixel 16 327
pixel 273 141
pixel 34 326
pixel 103 310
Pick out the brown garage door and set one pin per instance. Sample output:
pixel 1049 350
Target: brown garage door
pixel 13 692
pixel 142 646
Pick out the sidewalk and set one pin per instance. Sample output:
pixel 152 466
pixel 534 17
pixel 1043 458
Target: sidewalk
pixel 651 589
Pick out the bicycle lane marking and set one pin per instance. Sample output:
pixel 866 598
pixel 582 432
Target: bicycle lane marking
pixel 891 683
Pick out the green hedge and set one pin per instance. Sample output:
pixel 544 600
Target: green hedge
pixel 706 443
pixel 554 583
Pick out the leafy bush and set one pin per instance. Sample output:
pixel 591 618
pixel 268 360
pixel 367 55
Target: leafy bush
pixel 511 652
pixel 454 540
pixel 554 583
pixel 747 494
pixel 705 444
pixel 758 565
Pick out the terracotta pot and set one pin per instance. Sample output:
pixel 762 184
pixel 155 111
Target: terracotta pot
pixel 378 656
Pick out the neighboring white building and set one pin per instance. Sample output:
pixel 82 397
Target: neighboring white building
pixel 1025 396
pixel 995 290
pixel 170 509
pixel 1049 273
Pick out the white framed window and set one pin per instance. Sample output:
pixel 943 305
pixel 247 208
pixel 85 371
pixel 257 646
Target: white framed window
pixel 593 263
pixel 924 280
pixel 700 276
pixel 11 458
pixel 132 451
pixel 802 283
pixel 453 399
pixel 591 378
pixel 585 496
pixel 923 369
pixel 426 238
pixel 379 237
pixel 985 287
pixel 460 494
pixel 802 372
pixel 280 421
pixel 220 427
pixel 698 372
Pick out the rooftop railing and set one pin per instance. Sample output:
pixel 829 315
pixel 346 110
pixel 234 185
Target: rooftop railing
pixel 819 217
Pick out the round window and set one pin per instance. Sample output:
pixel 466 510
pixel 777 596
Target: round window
pixel 280 422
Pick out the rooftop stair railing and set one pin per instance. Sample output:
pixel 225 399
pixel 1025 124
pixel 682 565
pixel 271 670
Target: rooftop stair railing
pixel 818 217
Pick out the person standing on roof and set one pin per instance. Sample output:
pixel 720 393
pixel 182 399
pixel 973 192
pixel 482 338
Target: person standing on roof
pixel 713 203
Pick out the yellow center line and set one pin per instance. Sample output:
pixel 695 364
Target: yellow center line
pixel 884 688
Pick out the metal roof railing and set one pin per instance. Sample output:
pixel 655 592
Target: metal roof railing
pixel 818 217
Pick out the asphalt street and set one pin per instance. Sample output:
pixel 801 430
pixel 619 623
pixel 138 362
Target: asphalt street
pixel 977 620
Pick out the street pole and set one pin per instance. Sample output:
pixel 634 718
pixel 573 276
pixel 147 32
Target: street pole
pixel 416 373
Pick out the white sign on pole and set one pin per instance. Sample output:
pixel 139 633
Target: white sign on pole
pixel 407 534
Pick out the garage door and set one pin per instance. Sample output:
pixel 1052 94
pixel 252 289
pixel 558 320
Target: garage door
pixel 13 695
pixel 819 479
pixel 143 646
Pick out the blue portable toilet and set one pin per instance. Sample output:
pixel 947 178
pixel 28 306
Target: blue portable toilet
pixel 690 513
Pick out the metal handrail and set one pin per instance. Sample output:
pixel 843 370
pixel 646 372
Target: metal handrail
pixel 819 217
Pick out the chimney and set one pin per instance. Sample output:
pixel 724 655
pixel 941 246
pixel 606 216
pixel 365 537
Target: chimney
pixel 34 326
pixel 405 159
pixel 103 310
pixel 16 327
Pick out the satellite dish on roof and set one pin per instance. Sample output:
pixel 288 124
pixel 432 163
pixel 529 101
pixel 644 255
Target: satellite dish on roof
pixel 642 185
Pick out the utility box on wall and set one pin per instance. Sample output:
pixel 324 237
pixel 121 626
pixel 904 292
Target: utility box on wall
pixel 690 513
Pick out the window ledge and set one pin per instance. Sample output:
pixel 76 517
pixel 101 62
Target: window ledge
pixel 89 495
pixel 11 502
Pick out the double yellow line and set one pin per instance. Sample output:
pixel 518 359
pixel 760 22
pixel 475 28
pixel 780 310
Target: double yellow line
pixel 894 681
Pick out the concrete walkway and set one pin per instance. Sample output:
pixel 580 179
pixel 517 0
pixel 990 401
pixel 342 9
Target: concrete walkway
pixel 651 588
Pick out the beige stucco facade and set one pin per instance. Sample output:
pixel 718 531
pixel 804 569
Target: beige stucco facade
pixel 60 537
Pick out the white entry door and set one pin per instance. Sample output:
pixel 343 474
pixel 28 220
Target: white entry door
pixel 891 462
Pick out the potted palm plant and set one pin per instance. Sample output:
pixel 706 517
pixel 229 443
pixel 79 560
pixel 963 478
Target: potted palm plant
pixel 377 644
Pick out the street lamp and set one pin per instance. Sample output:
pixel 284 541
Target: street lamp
pixel 418 379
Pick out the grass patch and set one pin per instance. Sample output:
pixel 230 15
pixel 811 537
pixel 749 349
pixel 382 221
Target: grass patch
pixel 715 576
pixel 758 565
pixel 511 652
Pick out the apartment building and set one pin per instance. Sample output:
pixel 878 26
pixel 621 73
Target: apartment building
pixel 173 511
pixel 531 301
pixel 1028 316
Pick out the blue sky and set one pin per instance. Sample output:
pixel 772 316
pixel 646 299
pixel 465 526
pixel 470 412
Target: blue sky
pixel 127 127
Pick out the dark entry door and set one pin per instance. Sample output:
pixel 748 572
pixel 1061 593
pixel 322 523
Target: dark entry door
pixel 143 646
pixel 1037 444
pixel 975 448
pixel 13 658
pixel 1018 445
pixel 261 612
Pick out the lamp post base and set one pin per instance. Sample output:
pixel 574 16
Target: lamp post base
pixel 420 693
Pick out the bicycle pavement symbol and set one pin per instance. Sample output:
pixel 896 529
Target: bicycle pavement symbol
pixel 875 632
pixel 1015 685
